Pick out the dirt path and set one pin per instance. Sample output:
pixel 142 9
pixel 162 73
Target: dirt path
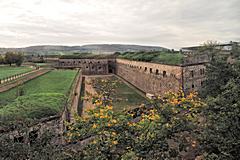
pixel 23 79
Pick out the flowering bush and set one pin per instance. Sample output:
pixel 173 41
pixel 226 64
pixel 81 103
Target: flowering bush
pixel 162 129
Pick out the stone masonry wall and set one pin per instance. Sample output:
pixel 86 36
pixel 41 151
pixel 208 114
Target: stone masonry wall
pixel 88 66
pixel 150 77
pixel 194 77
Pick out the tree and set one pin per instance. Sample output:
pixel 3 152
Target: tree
pixel 235 49
pixel 9 58
pixel 212 48
pixel 219 72
pixel 1 59
pixel 12 57
pixel 220 138
pixel 19 59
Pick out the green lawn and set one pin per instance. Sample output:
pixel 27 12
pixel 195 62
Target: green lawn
pixel 43 96
pixel 129 97
pixel 6 71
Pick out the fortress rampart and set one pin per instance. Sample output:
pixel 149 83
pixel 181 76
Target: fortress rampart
pixel 149 77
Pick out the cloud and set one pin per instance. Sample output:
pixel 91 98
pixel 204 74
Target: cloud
pixel 165 23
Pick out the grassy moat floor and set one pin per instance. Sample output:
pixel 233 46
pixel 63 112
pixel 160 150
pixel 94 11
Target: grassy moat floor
pixel 121 95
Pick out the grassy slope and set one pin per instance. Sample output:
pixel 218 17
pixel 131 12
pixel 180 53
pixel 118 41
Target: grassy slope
pixel 6 71
pixel 156 57
pixel 54 82
pixel 43 96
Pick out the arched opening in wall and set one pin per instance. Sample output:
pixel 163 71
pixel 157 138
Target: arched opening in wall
pixel 193 86
pixel 191 73
pixel 140 67
pixel 145 69
pixel 92 67
pixel 33 135
pixel 98 62
pixel 164 74
pixel 150 70
pixel 157 72
pixel 99 68
pixel 110 70
pixel 79 61
pixel 86 66
pixel 19 139
pixel 202 72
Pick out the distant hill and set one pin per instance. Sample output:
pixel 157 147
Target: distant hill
pixel 92 48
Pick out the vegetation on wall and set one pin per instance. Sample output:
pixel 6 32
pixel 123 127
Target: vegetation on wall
pixel 156 57
pixel 87 56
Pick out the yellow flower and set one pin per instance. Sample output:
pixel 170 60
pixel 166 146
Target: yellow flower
pixel 96 114
pixel 109 125
pixel 109 107
pixel 115 142
pixel 94 126
pixel 114 133
pixel 114 121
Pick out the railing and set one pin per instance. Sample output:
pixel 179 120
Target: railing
pixel 14 77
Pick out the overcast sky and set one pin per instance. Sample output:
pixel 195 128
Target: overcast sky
pixel 167 23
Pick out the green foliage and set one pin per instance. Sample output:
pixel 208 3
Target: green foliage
pixel 130 135
pixel 219 72
pixel 12 57
pixel 87 56
pixel 220 137
pixel 31 107
pixel 1 59
pixel 157 57
pixel 38 149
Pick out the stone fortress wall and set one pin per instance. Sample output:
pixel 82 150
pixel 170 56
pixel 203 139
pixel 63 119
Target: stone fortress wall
pixel 88 66
pixel 149 77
